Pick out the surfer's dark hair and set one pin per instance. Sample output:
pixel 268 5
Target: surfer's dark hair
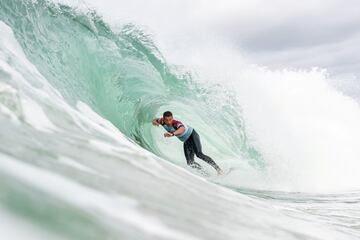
pixel 167 114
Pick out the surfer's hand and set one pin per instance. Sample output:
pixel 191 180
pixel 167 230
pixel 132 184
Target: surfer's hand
pixel 167 134
pixel 155 123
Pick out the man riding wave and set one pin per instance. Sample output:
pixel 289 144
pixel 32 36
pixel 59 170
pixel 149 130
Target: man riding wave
pixel 188 135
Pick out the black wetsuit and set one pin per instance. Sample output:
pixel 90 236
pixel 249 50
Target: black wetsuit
pixel 193 146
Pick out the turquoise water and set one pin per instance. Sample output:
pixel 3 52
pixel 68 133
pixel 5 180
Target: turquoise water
pixel 80 159
pixel 121 75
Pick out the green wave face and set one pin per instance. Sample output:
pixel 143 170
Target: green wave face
pixel 123 77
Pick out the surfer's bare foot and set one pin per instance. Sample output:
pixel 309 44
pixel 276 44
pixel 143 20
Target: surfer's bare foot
pixel 220 172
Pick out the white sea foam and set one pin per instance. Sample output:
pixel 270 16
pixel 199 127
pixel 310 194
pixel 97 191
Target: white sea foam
pixel 120 207
pixel 35 116
pixel 29 231
pixel 75 164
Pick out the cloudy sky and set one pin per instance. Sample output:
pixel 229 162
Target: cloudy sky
pixel 277 34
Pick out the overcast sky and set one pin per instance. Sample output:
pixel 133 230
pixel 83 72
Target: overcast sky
pixel 277 33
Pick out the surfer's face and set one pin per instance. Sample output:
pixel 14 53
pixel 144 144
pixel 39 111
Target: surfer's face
pixel 168 120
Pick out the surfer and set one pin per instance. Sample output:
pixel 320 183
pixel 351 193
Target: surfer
pixel 189 136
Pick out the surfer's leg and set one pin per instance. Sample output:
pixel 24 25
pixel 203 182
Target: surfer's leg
pixel 189 154
pixel 200 154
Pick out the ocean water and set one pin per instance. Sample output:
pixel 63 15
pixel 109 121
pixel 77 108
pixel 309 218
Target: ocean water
pixel 79 158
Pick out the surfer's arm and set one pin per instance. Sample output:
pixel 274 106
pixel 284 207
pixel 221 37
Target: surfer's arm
pixel 179 126
pixel 179 131
pixel 156 121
